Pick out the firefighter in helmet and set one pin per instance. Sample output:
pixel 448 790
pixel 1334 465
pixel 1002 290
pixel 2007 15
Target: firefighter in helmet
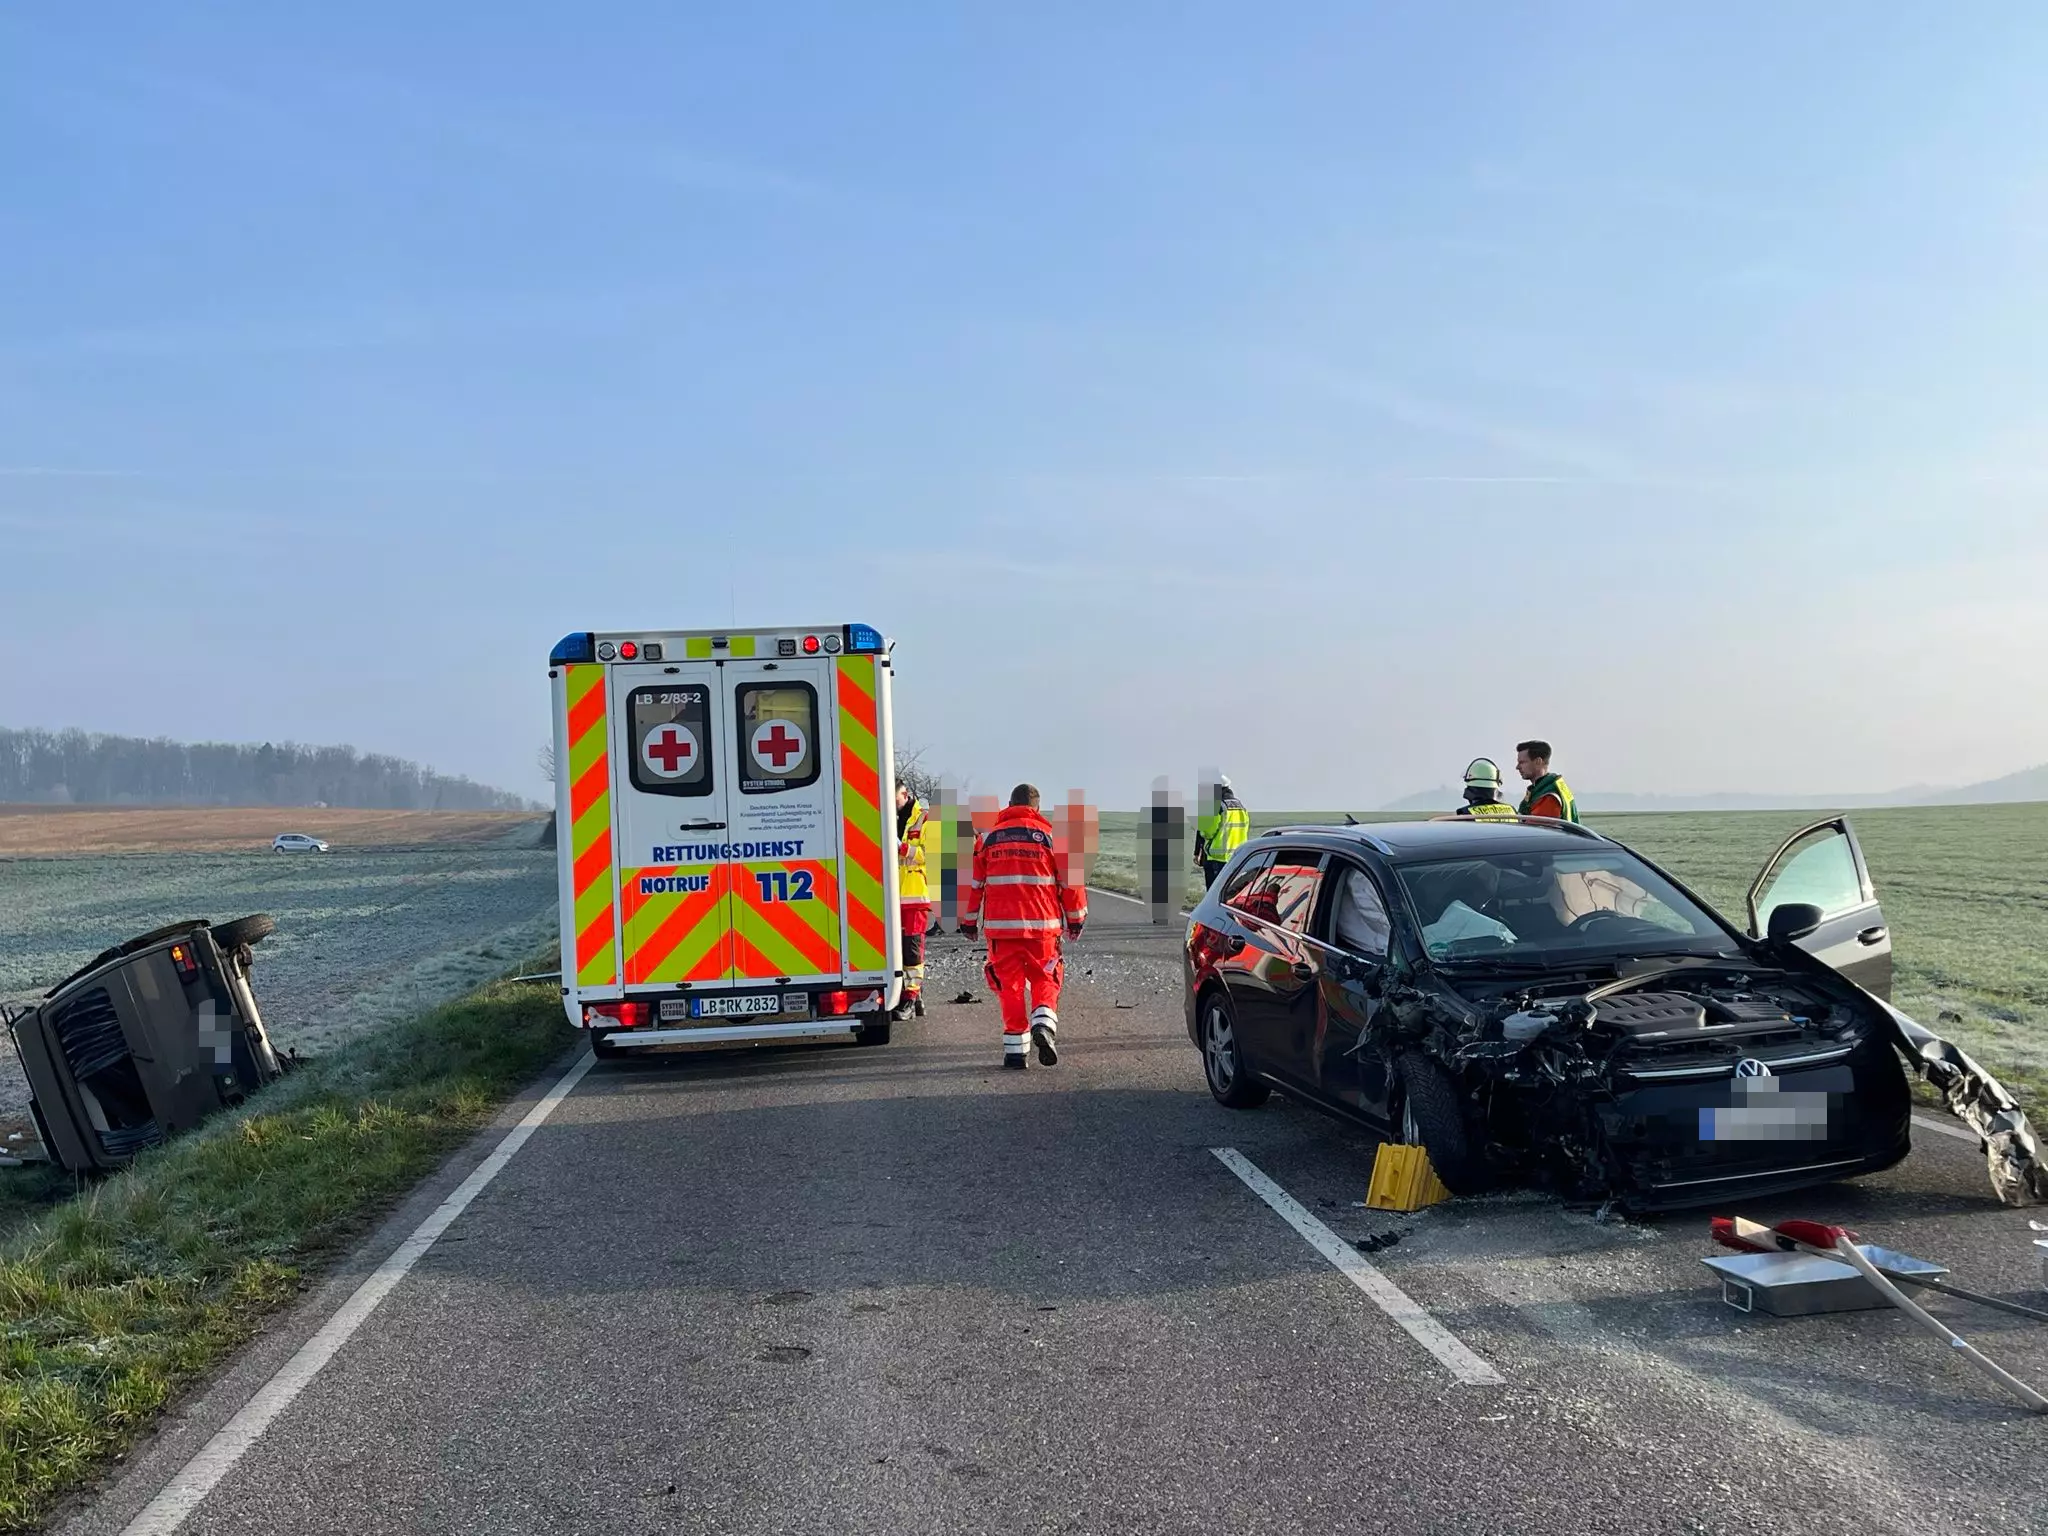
pixel 1482 792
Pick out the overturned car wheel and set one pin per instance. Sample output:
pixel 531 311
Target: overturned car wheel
pixel 1223 1062
pixel 1433 1117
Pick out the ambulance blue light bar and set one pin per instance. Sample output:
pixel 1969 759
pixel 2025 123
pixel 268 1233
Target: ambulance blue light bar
pixel 571 649
pixel 863 641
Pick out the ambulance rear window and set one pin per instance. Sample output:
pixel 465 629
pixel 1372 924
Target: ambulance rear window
pixel 778 736
pixel 671 739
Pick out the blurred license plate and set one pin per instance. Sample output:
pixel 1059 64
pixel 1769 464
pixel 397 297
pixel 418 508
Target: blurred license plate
pixel 743 1005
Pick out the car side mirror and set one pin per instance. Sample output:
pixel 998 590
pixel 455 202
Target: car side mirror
pixel 1793 921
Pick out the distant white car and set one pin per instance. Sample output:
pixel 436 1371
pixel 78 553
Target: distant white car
pixel 297 842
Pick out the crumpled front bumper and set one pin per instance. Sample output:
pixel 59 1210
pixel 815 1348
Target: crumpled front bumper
pixel 2019 1176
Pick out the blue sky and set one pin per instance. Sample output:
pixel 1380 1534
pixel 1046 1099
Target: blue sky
pixel 1331 394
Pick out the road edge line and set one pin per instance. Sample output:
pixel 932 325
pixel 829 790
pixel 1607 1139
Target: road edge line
pixel 188 1488
pixel 1451 1352
pixel 1960 1133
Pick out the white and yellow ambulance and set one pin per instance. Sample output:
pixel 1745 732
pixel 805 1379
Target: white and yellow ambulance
pixel 725 813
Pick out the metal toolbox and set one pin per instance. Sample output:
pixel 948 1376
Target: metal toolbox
pixel 1801 1284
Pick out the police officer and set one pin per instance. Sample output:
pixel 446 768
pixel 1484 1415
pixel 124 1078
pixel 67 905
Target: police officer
pixel 1221 831
pixel 1482 792
pixel 1548 794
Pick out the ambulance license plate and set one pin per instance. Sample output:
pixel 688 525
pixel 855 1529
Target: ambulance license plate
pixel 745 1004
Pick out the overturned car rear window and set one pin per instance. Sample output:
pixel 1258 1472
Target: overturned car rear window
pixel 1538 904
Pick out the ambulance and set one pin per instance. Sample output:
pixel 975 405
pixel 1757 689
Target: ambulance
pixel 725 808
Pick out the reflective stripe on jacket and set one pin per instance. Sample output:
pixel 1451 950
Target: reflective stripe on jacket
pixel 1015 885
pixel 1489 810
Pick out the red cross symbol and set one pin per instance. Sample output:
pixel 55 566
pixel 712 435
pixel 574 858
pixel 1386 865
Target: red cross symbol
pixel 778 747
pixel 670 750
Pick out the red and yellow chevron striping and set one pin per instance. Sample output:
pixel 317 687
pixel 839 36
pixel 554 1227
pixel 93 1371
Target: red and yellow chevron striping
pixel 590 829
pixel 862 846
pixel 785 919
pixel 676 926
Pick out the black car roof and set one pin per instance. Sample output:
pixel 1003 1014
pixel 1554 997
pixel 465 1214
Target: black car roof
pixel 1403 841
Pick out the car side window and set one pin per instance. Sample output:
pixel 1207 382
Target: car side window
pixel 1284 891
pixel 1237 887
pixel 1358 920
pixel 1819 870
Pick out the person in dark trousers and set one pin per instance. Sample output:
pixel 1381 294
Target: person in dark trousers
pixel 1548 794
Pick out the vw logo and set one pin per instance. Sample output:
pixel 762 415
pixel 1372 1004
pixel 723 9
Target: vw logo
pixel 1749 1066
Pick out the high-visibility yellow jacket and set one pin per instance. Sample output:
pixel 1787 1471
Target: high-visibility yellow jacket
pixel 1550 796
pixel 917 859
pixel 1489 810
pixel 1222 831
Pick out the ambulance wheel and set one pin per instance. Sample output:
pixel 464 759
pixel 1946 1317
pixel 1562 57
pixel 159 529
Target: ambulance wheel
pixel 602 1048
pixel 872 1034
pixel 253 929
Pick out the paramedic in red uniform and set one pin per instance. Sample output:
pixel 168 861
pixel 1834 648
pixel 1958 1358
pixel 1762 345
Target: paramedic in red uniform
pixel 1018 897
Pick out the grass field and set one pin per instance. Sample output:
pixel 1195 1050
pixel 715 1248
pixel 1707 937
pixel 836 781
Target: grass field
pixel 72 830
pixel 1964 889
pixel 363 936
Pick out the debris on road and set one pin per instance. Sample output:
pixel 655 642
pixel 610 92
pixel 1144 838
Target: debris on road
pixel 1374 1242
pixel 1804 1267
pixel 966 997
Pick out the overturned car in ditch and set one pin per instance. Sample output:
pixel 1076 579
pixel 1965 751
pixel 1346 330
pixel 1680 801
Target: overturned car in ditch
pixel 1537 1004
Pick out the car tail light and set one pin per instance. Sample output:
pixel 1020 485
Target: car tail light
pixel 187 962
pixel 838 1004
pixel 617 1015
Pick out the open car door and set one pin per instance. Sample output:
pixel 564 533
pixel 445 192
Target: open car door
pixel 1822 865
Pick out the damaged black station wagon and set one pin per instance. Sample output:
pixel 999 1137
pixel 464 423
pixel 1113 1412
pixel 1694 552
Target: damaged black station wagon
pixel 1535 1003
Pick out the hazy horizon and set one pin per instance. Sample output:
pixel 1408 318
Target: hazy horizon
pixel 1331 397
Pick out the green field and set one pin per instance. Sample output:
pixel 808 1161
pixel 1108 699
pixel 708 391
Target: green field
pixel 1964 888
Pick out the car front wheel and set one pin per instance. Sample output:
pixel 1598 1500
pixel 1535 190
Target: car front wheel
pixel 1223 1060
pixel 1433 1117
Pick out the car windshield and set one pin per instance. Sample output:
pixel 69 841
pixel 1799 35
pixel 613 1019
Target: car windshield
pixel 1562 905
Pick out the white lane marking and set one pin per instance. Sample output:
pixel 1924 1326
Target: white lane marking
pixel 1135 901
pixel 1960 1132
pixel 171 1508
pixel 1432 1335
pixel 1119 896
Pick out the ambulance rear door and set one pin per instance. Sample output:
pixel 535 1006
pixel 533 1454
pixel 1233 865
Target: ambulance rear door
pixel 788 920
pixel 673 778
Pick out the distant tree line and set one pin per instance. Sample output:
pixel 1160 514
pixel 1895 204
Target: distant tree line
pixel 83 768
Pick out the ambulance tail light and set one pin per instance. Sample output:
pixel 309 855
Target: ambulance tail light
pixel 861 640
pixel 839 1004
pixel 571 650
pixel 810 645
pixel 617 1015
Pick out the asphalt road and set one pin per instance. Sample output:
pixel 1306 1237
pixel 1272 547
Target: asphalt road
pixel 898 1290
